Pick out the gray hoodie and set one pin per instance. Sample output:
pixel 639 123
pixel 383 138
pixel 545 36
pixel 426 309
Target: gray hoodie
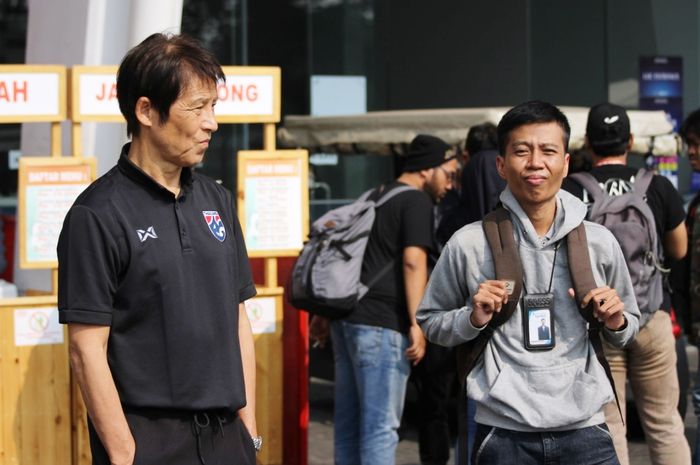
pixel 559 389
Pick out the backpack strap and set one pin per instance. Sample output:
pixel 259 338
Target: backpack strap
pixel 642 180
pixel 583 282
pixel 384 196
pixel 498 229
pixel 381 197
pixel 590 183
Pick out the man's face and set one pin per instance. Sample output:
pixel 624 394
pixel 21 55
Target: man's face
pixel 441 180
pixel 184 137
pixel 693 143
pixel 535 163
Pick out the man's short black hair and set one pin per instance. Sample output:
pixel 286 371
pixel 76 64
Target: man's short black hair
pixel 691 125
pixel 532 112
pixel 159 68
pixel 481 137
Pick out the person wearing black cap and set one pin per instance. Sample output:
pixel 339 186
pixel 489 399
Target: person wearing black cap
pixel 375 346
pixel 650 360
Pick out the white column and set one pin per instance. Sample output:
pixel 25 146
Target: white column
pixel 91 32
pixel 149 16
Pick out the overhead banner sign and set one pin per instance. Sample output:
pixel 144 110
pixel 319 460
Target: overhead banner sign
pixel 661 86
pixel 30 93
pixel 273 201
pixel 48 186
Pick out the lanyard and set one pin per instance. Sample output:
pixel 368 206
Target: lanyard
pixel 551 276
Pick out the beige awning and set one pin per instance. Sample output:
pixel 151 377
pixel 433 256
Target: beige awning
pixel 385 132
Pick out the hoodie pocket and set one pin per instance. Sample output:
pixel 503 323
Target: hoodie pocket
pixel 550 397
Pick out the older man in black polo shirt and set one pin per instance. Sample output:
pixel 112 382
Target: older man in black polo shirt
pixel 153 273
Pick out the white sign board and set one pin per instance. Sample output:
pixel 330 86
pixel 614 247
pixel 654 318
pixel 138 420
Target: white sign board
pixel 98 95
pixel 251 94
pixel 246 95
pixel 262 314
pixel 30 94
pixel 37 326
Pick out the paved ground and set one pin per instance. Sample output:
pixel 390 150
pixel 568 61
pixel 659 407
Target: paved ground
pixel 321 427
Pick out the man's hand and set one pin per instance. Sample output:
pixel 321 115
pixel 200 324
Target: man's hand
pixel 607 306
pixel 319 329
pixel 416 351
pixel 490 298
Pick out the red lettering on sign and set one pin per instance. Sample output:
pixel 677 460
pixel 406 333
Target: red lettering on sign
pixel 252 93
pixel 18 91
pixel 104 94
pixel 237 92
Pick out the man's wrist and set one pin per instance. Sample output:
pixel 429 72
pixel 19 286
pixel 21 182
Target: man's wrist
pixel 474 325
pixel 621 327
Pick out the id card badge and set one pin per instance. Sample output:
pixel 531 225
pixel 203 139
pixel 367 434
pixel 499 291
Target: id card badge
pixel 538 321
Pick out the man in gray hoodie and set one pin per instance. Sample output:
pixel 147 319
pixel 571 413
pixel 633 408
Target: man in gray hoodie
pixel 534 406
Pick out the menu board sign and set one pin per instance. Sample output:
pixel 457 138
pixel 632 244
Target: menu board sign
pixel 48 186
pixel 273 201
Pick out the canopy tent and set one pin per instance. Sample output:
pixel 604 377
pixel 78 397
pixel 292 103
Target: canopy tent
pixel 387 132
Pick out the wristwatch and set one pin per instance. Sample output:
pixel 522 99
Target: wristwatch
pixel 257 443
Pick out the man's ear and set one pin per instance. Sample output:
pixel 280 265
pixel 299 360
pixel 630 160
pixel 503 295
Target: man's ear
pixel 630 143
pixel 501 166
pixel 426 174
pixel 145 113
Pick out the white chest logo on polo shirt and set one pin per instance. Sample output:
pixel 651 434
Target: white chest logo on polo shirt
pixel 149 232
pixel 216 226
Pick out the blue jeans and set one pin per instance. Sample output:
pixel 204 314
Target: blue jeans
pixel 470 414
pixel 371 372
pixel 585 446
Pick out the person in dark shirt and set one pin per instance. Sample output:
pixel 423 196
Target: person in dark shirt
pixel 689 287
pixel 153 275
pixel 650 360
pixel 375 346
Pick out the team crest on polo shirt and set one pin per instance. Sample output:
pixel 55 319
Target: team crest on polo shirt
pixel 216 226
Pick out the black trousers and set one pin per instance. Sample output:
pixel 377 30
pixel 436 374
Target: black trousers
pixel 434 376
pixel 183 438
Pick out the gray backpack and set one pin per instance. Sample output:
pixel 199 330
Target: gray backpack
pixel 325 279
pixel 631 221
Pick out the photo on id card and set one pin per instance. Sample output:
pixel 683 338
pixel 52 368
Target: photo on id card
pixel 539 327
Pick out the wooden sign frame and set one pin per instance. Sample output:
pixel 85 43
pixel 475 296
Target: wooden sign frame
pixel 58 165
pixel 293 206
pixel 60 71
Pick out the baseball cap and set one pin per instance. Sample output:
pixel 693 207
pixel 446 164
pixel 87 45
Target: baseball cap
pixel 427 152
pixel 608 129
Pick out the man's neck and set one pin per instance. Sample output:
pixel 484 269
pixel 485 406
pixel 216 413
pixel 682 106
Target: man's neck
pixel 166 174
pixel 412 179
pixel 611 160
pixel 541 216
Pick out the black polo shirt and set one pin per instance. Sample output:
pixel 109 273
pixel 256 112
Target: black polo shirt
pixel 167 275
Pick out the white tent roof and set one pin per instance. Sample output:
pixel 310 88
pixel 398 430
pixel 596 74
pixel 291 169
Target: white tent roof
pixel 387 131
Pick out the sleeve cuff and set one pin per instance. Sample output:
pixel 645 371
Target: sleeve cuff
pixel 82 316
